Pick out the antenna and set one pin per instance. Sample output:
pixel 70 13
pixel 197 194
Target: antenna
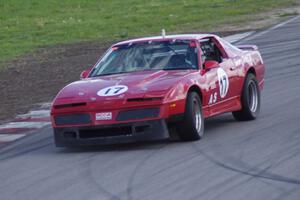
pixel 163 33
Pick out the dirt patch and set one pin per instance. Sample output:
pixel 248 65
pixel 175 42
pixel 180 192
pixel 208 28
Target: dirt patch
pixel 37 77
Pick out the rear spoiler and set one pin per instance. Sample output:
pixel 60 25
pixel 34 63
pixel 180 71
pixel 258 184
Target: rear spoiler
pixel 247 47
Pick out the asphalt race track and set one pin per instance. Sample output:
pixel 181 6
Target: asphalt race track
pixel 235 160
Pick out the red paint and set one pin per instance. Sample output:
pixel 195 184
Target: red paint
pixel 193 44
pixel 171 85
pixel 210 64
pixel 85 73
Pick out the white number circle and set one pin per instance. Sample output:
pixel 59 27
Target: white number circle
pixel 223 82
pixel 112 91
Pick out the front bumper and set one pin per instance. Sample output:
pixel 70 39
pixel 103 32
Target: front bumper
pixel 111 134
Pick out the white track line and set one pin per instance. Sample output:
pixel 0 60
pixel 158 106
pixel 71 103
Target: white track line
pixel 34 125
pixel 271 29
pixel 46 105
pixel 35 114
pixel 237 37
pixel 10 137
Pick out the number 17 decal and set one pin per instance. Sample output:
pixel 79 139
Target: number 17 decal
pixel 112 91
pixel 223 82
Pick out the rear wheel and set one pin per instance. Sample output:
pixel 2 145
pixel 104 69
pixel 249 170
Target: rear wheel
pixel 250 100
pixel 192 126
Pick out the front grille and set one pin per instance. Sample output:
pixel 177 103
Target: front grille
pixel 71 105
pixel 75 119
pixel 144 99
pixel 105 132
pixel 138 114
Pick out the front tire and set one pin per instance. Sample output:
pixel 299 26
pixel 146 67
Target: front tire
pixel 192 126
pixel 250 100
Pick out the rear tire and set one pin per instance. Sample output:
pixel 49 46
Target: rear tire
pixel 250 100
pixel 192 126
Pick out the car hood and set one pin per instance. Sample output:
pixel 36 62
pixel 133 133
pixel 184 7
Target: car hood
pixel 140 85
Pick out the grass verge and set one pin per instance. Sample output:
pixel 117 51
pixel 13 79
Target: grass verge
pixel 28 24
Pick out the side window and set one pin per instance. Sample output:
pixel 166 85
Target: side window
pixel 210 51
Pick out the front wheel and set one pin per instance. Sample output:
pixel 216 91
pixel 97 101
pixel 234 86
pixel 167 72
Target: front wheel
pixel 192 126
pixel 250 100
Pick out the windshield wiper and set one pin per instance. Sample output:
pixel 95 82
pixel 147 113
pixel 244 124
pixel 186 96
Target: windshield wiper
pixel 122 72
pixel 109 74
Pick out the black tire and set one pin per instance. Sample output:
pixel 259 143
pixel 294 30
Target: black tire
pixel 250 100
pixel 192 126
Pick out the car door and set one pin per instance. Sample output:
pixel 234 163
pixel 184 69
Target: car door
pixel 220 96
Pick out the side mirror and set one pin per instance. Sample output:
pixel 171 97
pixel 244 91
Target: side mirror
pixel 85 74
pixel 210 64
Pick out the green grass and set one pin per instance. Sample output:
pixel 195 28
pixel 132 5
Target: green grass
pixel 28 24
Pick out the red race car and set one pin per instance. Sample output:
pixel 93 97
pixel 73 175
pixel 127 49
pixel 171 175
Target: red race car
pixel 142 87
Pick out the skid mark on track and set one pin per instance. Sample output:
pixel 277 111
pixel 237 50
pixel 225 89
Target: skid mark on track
pixel 249 170
pixel 286 194
pixel 223 186
pixel 33 146
pixel 123 194
pixel 132 185
pixel 137 169
pixel 96 184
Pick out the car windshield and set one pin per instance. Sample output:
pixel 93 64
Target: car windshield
pixel 134 57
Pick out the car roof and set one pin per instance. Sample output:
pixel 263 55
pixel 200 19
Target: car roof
pixel 167 37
